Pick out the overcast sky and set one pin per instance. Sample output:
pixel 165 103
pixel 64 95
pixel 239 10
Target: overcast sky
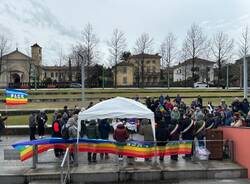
pixel 56 24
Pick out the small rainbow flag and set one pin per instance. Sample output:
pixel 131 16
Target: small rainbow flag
pixel 161 108
pixel 15 97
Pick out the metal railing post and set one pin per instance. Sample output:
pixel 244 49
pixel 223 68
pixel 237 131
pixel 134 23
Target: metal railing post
pixel 68 167
pixel 66 158
pixel 35 156
pixel 75 155
pixel 61 175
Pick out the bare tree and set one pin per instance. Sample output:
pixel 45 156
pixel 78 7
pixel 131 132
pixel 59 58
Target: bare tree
pixel 88 47
pixel 243 52
pixel 143 44
pixel 4 48
pixel 117 45
pixel 168 52
pixel 194 45
pixel 221 48
pixel 244 42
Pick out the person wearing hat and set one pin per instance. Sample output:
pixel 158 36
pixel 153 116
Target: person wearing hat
pixel 2 125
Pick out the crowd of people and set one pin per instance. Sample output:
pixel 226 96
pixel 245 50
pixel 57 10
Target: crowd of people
pixel 174 121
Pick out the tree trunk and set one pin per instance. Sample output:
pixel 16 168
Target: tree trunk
pixel 168 77
pixel 70 71
pixel 219 74
pixel 142 71
pixel 193 60
pixel 116 71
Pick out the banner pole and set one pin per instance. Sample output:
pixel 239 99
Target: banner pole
pixel 6 114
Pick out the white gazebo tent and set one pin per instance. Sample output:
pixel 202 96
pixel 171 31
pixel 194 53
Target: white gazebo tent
pixel 118 107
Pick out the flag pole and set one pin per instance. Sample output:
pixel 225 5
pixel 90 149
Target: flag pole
pixel 6 114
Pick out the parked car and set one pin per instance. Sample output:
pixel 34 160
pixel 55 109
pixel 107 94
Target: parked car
pixel 75 85
pixel 201 85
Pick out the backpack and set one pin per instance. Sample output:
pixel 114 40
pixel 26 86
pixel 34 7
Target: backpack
pixel 65 132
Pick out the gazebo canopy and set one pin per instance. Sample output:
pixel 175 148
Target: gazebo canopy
pixel 118 107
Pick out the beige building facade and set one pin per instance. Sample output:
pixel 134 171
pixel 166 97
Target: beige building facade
pixel 125 73
pixel 17 67
pixel 204 69
pixel 139 67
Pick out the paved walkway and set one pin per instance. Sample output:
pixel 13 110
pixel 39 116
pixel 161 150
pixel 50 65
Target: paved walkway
pixel 111 165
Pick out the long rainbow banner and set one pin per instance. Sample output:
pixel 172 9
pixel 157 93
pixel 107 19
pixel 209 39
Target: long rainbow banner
pixel 15 97
pixel 139 149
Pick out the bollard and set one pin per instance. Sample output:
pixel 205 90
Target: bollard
pixel 232 156
pixel 35 156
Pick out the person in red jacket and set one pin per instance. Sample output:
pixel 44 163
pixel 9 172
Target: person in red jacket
pixel 56 132
pixel 168 105
pixel 120 135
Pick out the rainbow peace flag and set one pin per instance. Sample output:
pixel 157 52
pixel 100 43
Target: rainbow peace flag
pixel 161 108
pixel 15 97
pixel 139 149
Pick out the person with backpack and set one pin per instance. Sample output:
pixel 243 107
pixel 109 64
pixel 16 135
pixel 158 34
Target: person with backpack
pixel 92 133
pixel 56 132
pixel 120 135
pixel 32 126
pixel 69 131
pixel 41 121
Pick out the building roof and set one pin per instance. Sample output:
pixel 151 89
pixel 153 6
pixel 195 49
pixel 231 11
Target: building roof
pixel 35 45
pixel 6 56
pixel 124 63
pixel 139 56
pixel 190 61
pixel 240 60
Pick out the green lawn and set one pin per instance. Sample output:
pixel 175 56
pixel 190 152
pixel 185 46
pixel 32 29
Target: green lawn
pixel 23 120
pixel 214 95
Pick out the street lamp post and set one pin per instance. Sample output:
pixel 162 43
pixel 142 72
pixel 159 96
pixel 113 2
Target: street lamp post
pixel 82 77
pixel 227 76
pixel 103 79
pixel 245 76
